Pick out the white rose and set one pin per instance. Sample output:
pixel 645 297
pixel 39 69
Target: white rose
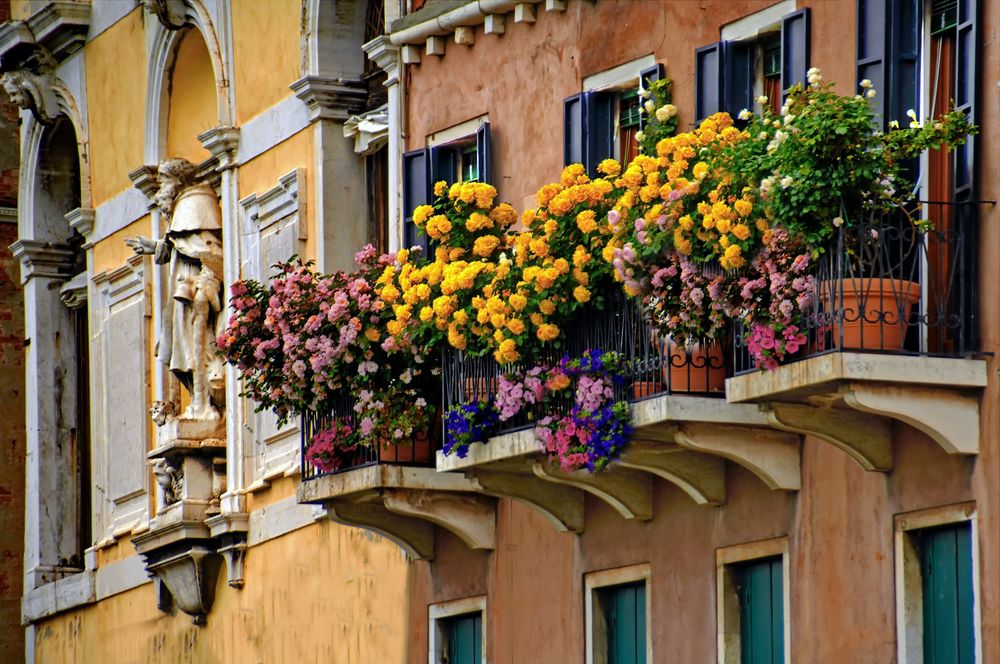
pixel 864 84
pixel 662 114
pixel 838 222
pixel 639 136
pixel 870 94
pixel 649 106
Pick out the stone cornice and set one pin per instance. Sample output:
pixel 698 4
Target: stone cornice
pixel 51 260
pixel 385 54
pixel 60 27
pixel 144 178
pixel 330 98
pixel 74 292
pixel 82 221
pixel 222 143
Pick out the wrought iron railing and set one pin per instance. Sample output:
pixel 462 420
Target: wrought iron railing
pixel 887 285
pixel 417 452
pixel 651 364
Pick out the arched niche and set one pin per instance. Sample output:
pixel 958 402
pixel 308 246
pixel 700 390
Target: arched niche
pixel 191 106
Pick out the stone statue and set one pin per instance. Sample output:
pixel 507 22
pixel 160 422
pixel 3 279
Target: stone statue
pixel 170 478
pixel 192 316
pixel 33 92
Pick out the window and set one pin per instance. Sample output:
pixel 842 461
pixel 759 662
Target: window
pixel 601 122
pixel 456 632
pixel 618 628
pixel 752 601
pixel 762 54
pixel 458 154
pixel 936 586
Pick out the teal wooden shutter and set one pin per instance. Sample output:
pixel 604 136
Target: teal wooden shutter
pixel 416 191
pixel 946 571
pixel 574 129
pixel 760 587
pixel 465 639
pixel 708 83
pixel 794 48
pixel 966 80
pixel 625 617
pixel 872 45
pixel 484 153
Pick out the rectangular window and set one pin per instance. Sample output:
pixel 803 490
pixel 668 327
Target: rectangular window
pixel 618 622
pixel 759 587
pixel 936 594
pixel 623 614
pixel 752 602
pixel 457 634
pixel 946 580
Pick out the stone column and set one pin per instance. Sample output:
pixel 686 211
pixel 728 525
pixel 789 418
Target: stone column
pixel 386 56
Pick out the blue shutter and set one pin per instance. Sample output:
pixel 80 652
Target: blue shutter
pixel 708 83
pixel 600 113
pixel 484 153
pixel 416 191
pixel 904 70
pixel 647 76
pixel 738 78
pixel 574 129
pixel 946 579
pixel 966 79
pixel 443 165
pixel 794 48
pixel 871 51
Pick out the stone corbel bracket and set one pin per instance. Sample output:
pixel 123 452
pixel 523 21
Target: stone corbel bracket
pixel 865 437
pixel 231 532
pixel 182 556
pixel 60 27
pixel 330 98
pixel 404 504
pixel 628 492
pixel 774 456
pixel 172 14
pixel 949 417
pixel 700 476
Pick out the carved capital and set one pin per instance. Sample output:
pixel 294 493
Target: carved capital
pixel 81 220
pixel 170 13
pixel 222 142
pixel 330 98
pixel 386 55
pixel 51 260
pixel 74 292
pixel 144 179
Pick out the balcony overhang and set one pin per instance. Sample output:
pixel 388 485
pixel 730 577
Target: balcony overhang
pixel 684 440
pixel 850 398
pixel 405 504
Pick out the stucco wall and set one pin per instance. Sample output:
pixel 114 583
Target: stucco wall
pixel 323 593
pixel 265 67
pixel 840 525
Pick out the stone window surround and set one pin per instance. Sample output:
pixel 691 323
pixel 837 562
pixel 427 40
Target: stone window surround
pixel 594 581
pixel 909 607
pixel 726 602
pixel 438 613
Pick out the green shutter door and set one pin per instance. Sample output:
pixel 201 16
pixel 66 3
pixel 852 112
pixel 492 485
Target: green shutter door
pixel 465 639
pixel 762 616
pixel 625 617
pixel 946 568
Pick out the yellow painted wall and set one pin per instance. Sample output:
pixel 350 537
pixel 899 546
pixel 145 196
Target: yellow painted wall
pixel 193 108
pixel 324 593
pixel 116 97
pixel 262 173
pixel 112 252
pixel 267 52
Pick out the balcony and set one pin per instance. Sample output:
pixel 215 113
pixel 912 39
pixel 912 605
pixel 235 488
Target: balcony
pixel 892 335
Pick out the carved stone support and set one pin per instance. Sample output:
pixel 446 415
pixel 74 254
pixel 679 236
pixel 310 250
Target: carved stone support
pixel 469 516
pixel 561 505
pixel 329 98
pixel 629 492
pixel 773 456
pixel 231 531
pixel 949 417
pixel 34 89
pixel 414 536
pixel 701 476
pixel 222 143
pixel 172 14
pixel 49 260
pixel 865 438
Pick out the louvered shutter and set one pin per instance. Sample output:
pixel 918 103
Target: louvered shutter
pixel 872 44
pixel 416 191
pixel 708 82
pixel 646 77
pixel 484 154
pixel 794 48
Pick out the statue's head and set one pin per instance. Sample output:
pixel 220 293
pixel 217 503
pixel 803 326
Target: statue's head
pixel 174 175
pixel 13 85
pixel 161 411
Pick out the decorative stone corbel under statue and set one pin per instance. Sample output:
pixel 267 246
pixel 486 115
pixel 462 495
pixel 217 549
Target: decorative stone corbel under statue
pixel 189 462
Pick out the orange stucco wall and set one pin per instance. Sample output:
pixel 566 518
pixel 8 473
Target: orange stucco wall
pixel 265 66
pixel 116 100
pixel 840 525
pixel 192 106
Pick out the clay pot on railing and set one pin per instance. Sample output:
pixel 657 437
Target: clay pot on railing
pixel 874 313
pixel 419 451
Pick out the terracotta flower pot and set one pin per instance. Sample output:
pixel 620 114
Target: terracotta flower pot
pixel 876 312
pixel 481 387
pixel 419 451
pixel 698 368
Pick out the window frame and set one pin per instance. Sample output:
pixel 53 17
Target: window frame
pixel 618 80
pixel 595 581
pixel 727 605
pixel 438 614
pixel 909 579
